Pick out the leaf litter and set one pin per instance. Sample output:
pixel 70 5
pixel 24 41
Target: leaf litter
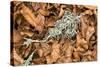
pixel 35 19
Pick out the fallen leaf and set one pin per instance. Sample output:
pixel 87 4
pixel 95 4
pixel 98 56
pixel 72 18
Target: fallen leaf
pixel 49 22
pixel 40 22
pixel 40 52
pixel 61 13
pixel 89 12
pixel 44 12
pixel 81 43
pixel 55 54
pixel 17 57
pixel 30 34
pixel 36 22
pixel 76 56
pixel 55 51
pixel 90 7
pixel 90 31
pixel 28 15
pixel 16 36
pixel 83 26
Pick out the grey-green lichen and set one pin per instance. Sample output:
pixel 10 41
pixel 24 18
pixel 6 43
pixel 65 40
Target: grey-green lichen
pixel 66 27
pixel 27 62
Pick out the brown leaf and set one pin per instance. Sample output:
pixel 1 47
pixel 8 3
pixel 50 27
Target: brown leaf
pixel 17 57
pixel 44 12
pixel 40 21
pixel 40 52
pixel 30 34
pixel 16 36
pixel 50 22
pixel 61 13
pixel 90 7
pixel 28 15
pixel 55 53
pixel 67 60
pixel 83 26
pixel 89 12
pixel 37 22
pixel 76 56
pixel 80 49
pixel 67 50
pixel 89 33
pixel 81 43
pixel 46 49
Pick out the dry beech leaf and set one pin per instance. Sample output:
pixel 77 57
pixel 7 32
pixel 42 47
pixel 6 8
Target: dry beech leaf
pixel 84 44
pixel 35 6
pixel 74 9
pixel 40 52
pixel 89 57
pixel 28 15
pixel 76 56
pixel 79 49
pixel 30 34
pixel 83 26
pixel 61 13
pixel 50 22
pixel 66 45
pixel 44 12
pixel 68 60
pixel 16 36
pixel 17 57
pixel 36 22
pixel 55 54
pixel 40 60
pixel 89 12
pixel 68 49
pixel 56 51
pixel 88 53
pixel 90 7
pixel 81 42
pixel 78 41
pixel 43 6
pixel 40 21
pixel 49 59
pixel 89 33
pixel 46 49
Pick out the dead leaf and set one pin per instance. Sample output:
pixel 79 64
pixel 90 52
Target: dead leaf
pixel 28 15
pixel 74 9
pixel 17 57
pixel 61 13
pixel 81 43
pixel 90 7
pixel 83 26
pixel 30 34
pixel 55 51
pixel 40 21
pixel 55 54
pixel 89 32
pixel 49 22
pixel 16 36
pixel 46 49
pixel 40 52
pixel 68 60
pixel 89 12
pixel 44 12
pixel 79 49
pixel 76 56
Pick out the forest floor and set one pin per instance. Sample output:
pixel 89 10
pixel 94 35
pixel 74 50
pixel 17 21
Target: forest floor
pixel 32 20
